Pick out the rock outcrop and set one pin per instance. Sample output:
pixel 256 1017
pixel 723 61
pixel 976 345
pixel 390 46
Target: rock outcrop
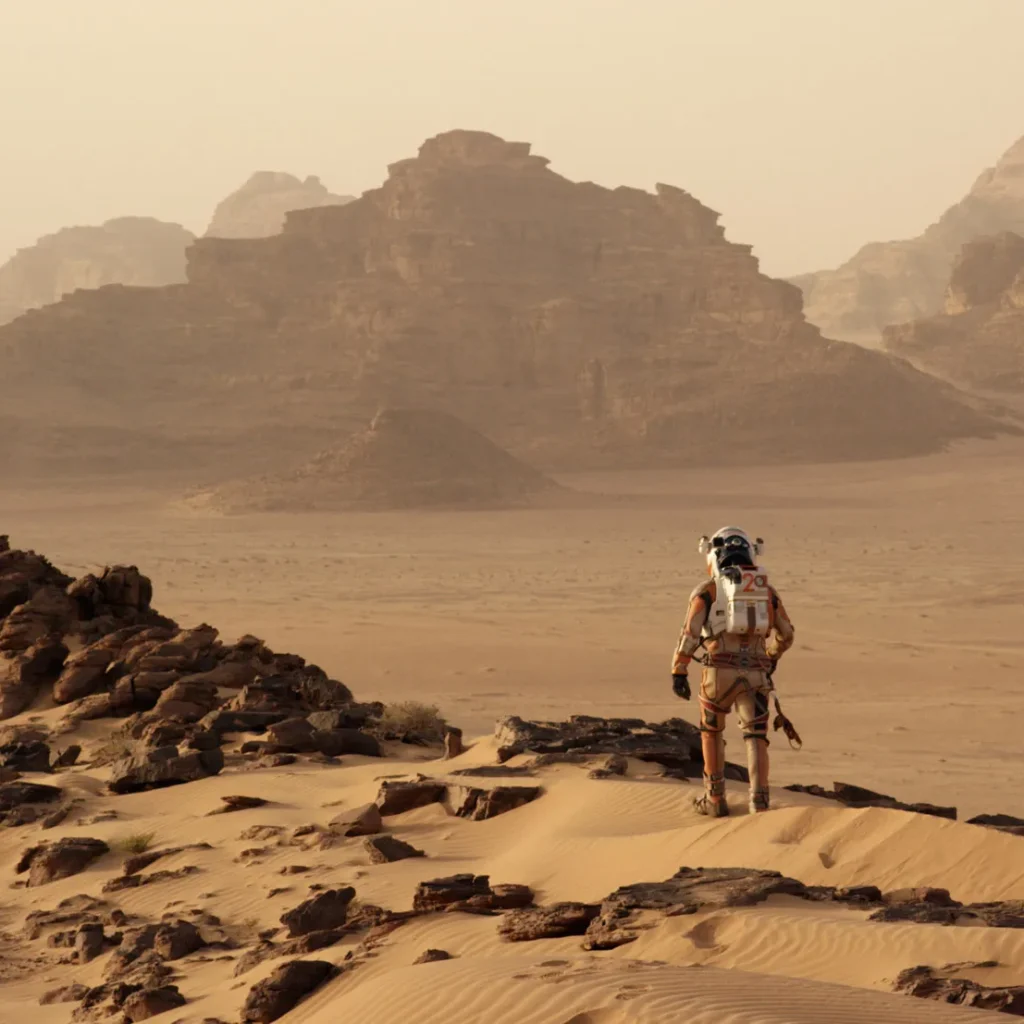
pixel 405 459
pixel 259 207
pixel 632 909
pixel 470 894
pixel 388 849
pixel 97 647
pixel 857 796
pixel 574 325
pixel 893 282
pixel 947 984
pixel 164 766
pixel 62 859
pixel 127 251
pixel 322 912
pixel 284 989
pixel 978 337
pixel 674 744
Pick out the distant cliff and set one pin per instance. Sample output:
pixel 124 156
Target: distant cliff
pixel 128 250
pixel 259 207
pixel 978 338
pixel 893 282
pixel 574 325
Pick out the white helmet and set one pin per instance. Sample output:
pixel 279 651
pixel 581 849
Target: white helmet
pixel 730 546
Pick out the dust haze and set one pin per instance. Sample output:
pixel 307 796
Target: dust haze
pixel 368 376
pixel 814 127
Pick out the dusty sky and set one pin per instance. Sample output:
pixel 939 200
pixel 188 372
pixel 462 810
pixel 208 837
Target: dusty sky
pixel 812 125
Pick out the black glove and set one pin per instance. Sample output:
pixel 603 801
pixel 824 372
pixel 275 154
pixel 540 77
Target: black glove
pixel 681 686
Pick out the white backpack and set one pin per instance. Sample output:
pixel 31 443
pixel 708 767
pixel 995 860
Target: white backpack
pixel 743 605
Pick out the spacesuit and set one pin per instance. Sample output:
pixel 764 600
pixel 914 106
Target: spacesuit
pixel 739 620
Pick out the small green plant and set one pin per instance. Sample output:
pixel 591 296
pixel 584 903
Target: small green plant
pixel 410 716
pixel 137 842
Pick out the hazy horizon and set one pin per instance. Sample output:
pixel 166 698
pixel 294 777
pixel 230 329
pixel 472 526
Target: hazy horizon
pixel 812 129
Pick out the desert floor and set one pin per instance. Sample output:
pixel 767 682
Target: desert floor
pixel 904 582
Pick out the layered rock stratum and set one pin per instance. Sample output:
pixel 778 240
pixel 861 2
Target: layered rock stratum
pixel 574 325
pixel 260 206
pixel 888 283
pixel 127 250
pixel 978 337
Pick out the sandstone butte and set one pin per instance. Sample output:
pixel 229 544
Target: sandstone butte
pixel 259 207
pixel 978 338
pixel 894 282
pixel 572 324
pixel 127 250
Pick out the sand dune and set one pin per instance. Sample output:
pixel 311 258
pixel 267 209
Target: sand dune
pixel 533 990
pixel 786 960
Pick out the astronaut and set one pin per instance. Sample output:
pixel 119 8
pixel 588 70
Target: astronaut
pixel 739 620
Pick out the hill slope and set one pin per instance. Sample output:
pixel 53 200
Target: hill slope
pixel 406 458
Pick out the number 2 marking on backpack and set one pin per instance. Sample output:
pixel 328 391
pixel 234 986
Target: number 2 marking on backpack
pixel 752 582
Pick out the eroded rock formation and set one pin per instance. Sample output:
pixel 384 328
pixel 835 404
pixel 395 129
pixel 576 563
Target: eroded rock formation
pixel 978 337
pixel 573 324
pixel 894 282
pixel 127 250
pixel 97 647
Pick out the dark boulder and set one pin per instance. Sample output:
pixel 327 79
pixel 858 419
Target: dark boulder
pixel 480 804
pixel 62 859
pixel 323 912
pixel 335 742
pixel 156 769
pixel 284 989
pixel 554 922
pixel 432 956
pixel 358 821
pixel 399 797
pixel 387 849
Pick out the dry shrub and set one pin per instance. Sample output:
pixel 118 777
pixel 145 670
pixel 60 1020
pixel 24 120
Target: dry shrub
pixel 411 717
pixel 137 842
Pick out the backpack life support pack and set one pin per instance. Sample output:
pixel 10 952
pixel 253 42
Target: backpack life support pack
pixel 743 603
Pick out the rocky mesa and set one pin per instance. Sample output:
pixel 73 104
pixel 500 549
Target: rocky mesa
pixel 894 282
pixel 574 325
